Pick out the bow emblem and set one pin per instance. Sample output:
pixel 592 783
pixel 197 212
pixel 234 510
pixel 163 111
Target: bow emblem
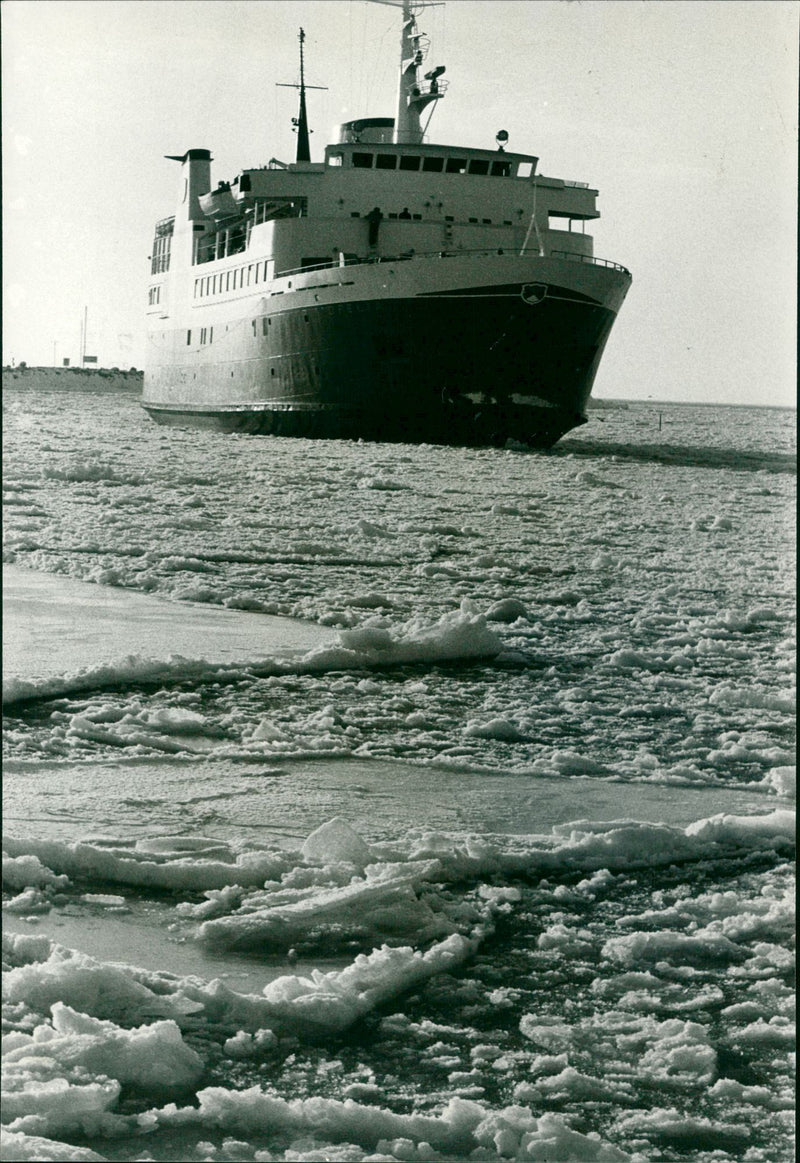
pixel 533 293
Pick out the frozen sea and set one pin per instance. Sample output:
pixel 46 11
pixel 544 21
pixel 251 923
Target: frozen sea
pixel 499 868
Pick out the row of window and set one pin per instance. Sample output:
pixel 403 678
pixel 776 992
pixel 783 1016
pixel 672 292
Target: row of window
pixel 206 336
pixel 245 276
pixel 413 163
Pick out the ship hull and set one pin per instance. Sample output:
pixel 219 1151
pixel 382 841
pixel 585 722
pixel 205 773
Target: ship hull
pixel 455 362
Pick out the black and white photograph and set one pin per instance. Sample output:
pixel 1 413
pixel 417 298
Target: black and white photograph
pixel 399 580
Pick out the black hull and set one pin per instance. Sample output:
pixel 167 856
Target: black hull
pixel 456 367
pixel 449 425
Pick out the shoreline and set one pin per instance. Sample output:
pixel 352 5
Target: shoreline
pixel 72 378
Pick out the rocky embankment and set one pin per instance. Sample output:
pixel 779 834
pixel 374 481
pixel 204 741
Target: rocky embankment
pixel 72 379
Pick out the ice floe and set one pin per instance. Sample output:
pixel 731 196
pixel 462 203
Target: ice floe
pixel 611 616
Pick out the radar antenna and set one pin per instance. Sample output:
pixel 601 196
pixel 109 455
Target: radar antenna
pixel 414 93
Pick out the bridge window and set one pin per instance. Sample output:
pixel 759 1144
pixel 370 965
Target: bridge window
pixel 386 161
pixel 456 165
pixel 501 169
pixel 432 165
pixel 524 169
pixel 479 166
pixel 362 161
pixel 409 163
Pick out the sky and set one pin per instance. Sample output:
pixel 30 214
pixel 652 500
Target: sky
pixel 682 113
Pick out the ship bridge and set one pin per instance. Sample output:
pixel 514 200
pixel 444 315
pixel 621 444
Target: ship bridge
pixel 430 159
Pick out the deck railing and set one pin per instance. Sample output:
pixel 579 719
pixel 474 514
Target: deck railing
pixel 574 256
pixel 349 261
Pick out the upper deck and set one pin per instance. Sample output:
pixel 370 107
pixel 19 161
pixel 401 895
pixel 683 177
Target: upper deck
pixel 432 181
pixel 369 201
pixel 445 197
pixel 381 191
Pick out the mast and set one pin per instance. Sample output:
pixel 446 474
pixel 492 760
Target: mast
pixel 300 122
pixel 412 94
pixel 303 147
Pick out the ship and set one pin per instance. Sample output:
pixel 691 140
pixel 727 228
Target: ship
pixel 396 290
